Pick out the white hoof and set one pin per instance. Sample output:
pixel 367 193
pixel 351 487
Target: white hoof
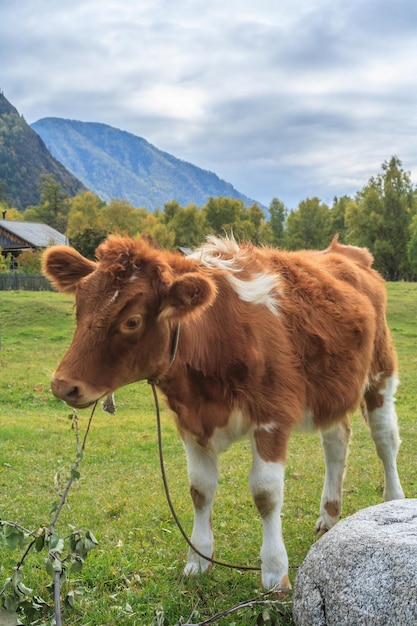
pixel 277 583
pixel 324 523
pixel 196 567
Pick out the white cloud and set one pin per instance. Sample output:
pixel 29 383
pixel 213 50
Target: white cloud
pixel 283 99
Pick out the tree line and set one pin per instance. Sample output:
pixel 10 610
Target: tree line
pixel 382 217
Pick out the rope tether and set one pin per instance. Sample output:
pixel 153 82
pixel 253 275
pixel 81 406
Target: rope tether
pixel 168 497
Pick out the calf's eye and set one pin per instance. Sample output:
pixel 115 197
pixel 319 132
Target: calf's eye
pixel 132 323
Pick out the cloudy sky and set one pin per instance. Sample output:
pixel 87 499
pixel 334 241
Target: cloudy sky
pixel 282 98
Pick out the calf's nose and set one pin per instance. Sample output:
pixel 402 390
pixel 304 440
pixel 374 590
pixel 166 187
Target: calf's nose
pixel 65 390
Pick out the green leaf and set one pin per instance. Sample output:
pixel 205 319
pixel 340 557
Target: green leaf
pixel 79 548
pixel 56 544
pixel 57 478
pixel 23 590
pixel 73 541
pixel 56 565
pixel 69 599
pixel 38 602
pixel 90 541
pixel 8 618
pixel 71 596
pixel 48 566
pixel 17 577
pixel 8 583
pixel 266 619
pixel 40 542
pixel 76 564
pixel 32 610
pixel 12 541
pixel 75 474
pixel 63 577
pixel 82 545
pixel 13 537
pixel 11 603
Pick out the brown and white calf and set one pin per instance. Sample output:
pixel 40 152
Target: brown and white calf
pixel 268 340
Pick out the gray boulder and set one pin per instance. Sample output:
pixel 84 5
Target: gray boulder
pixel 363 571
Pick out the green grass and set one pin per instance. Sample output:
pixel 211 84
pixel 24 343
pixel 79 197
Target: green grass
pixel 137 568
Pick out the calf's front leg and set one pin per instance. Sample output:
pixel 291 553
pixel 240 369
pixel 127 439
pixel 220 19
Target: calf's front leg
pixel 266 482
pixel 203 478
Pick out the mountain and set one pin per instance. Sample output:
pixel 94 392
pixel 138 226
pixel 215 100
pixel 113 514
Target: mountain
pixel 23 158
pixel 116 164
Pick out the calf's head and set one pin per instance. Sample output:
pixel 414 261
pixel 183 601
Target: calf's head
pixel 128 305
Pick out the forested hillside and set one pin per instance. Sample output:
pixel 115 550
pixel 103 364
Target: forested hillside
pixel 382 217
pixel 24 158
pixel 116 164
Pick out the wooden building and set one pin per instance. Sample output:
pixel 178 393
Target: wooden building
pixel 16 237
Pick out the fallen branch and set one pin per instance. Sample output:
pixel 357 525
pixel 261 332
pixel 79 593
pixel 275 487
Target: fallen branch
pixel 244 605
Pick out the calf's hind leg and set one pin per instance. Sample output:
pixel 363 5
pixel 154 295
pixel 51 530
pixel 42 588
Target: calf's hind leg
pixel 382 419
pixel 335 443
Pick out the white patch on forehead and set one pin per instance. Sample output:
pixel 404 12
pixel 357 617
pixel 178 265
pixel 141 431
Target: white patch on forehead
pixel 114 297
pixel 111 300
pixel 258 290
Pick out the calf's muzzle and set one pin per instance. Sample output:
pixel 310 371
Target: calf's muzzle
pixel 71 392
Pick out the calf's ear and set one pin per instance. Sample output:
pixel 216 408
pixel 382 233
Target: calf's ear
pixel 65 266
pixel 187 297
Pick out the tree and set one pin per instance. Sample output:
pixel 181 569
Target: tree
pixel 185 225
pixel 308 226
pixel 223 215
pixel 278 214
pixel 256 218
pixel 188 225
pixel 156 231
pixel 53 206
pixel 5 262
pixel 381 218
pixel 87 241
pixel 362 223
pixel 337 217
pixel 84 213
pixel 412 248
pixel 11 213
pixel 30 262
pixel 54 202
pixel 170 211
pixel 120 217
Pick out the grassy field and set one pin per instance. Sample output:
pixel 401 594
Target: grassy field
pixel 134 577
